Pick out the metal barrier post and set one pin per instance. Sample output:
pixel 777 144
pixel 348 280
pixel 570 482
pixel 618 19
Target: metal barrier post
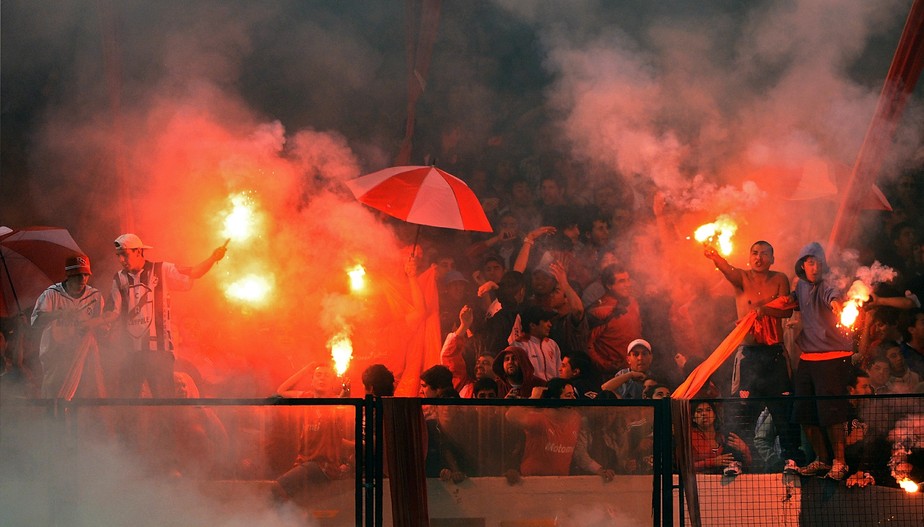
pixel 665 451
pixel 359 461
pixel 378 460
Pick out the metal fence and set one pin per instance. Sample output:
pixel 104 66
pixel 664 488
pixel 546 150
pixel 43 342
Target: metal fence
pixel 447 462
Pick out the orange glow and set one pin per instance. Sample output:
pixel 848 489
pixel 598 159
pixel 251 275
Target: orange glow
pixel 856 296
pixel 717 234
pixel 252 289
pixel 243 219
pixel 909 486
pixel 341 351
pixel 357 278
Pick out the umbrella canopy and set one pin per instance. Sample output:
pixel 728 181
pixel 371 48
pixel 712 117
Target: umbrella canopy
pixel 31 259
pixel 422 195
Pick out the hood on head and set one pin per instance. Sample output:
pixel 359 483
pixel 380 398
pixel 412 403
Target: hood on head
pixel 522 358
pixel 812 249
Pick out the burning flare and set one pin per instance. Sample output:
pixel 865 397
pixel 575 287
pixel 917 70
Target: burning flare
pixel 717 234
pixel 357 278
pixel 251 289
pixel 341 351
pixel 909 486
pixel 857 295
pixel 243 220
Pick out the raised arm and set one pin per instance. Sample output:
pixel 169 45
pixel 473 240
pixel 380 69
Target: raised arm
pixel 528 241
pixel 899 302
pixel 731 274
pixel 286 388
pixel 198 271
pixel 451 354
pixel 574 301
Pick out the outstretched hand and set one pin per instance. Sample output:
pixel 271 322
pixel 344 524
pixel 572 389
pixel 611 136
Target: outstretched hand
pixel 710 252
pixel 466 317
pixel 219 253
pixel 539 232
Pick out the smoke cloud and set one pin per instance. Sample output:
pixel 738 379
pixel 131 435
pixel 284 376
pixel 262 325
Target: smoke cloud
pixel 751 109
pixel 755 110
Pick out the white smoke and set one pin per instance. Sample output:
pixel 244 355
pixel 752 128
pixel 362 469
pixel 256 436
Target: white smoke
pixel 50 477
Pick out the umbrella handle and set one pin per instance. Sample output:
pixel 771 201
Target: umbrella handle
pixel 414 247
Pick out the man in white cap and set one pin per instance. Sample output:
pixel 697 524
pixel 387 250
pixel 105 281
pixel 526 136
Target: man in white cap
pixel 628 383
pixel 65 312
pixel 141 310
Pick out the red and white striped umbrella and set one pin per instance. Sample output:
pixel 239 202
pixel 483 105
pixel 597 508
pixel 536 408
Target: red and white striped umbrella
pixel 31 259
pixel 422 195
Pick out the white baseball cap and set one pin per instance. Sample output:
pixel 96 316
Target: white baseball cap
pixel 638 342
pixel 130 241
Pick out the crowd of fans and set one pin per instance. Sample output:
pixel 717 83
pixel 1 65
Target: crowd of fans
pixel 550 306
pixel 547 307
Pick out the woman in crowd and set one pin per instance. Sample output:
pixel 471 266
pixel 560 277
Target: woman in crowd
pixel 713 452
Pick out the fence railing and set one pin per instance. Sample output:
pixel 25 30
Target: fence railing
pixel 449 461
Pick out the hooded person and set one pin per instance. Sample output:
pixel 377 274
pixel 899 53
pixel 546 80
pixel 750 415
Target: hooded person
pixel 515 375
pixel 815 296
pixel 825 364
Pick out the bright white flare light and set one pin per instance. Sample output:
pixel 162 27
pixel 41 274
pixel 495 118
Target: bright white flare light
pixel 357 278
pixel 251 289
pixel 341 351
pixel 718 234
pixel 241 222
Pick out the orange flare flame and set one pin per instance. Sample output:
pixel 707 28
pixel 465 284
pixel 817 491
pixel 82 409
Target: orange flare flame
pixel 718 233
pixel 856 296
pixel 909 486
pixel 341 351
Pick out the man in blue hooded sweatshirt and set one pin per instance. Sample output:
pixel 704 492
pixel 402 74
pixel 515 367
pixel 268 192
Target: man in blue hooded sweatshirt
pixel 824 366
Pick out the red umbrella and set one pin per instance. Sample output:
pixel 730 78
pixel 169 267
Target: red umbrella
pixel 422 195
pixel 31 259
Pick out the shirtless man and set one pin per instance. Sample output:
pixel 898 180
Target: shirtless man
pixel 764 367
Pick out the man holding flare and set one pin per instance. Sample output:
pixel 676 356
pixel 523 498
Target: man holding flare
pixel 140 308
pixel 763 370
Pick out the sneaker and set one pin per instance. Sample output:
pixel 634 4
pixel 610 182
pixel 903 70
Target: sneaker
pixel 815 468
pixel 838 471
pixel 790 467
pixel 733 469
